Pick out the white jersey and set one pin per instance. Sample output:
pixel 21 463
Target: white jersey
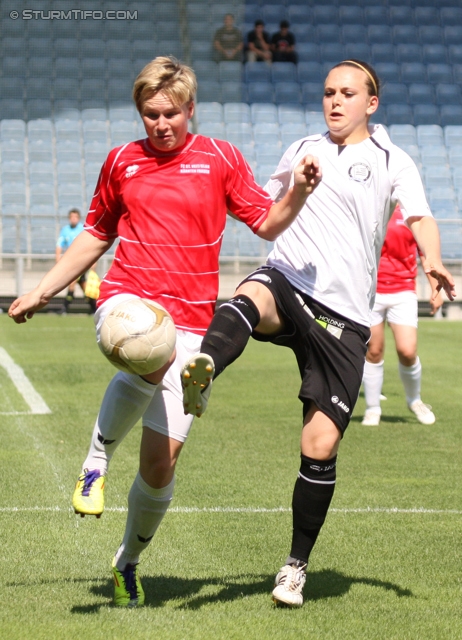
pixel 332 250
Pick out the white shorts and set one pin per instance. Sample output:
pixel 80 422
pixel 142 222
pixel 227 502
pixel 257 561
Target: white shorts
pixel 165 412
pixel 398 308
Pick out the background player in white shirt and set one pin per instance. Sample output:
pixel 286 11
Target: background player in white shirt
pixel 166 199
pixel 396 302
pixel 317 289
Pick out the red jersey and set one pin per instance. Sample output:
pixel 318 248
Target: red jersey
pixel 398 261
pixel 169 212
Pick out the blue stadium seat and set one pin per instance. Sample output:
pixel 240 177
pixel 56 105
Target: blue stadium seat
pixel 332 52
pixel 287 93
pixel 252 12
pixel 299 14
pixel 95 151
pixel 209 91
pixel 431 34
pixel 421 93
pixel 358 50
pixel 93 48
pixel 239 133
pixel 450 16
pixel 437 73
pixel 434 53
pixel 283 72
pixel 200 50
pixel 401 14
pixel 195 10
pixel 457 71
pixel 40 88
pixel 233 92
pixel 433 155
pixel 14 66
pixel 325 14
pixel 448 94
pixel 310 72
pixel 303 32
pixel 290 113
pixel 452 34
pixel 257 72
pixel 394 93
pixel 408 52
pixel 354 33
pixel 431 134
pixel 437 176
pixel 290 133
pixel 14 129
pixel 230 71
pixel 455 53
pixel 42 193
pixel 405 33
pixel 328 33
pixel 403 134
pixel 260 92
pixel 67 87
pixel 38 108
pixel 40 130
pixel 206 70
pixel 383 52
pixel 388 71
pixel 262 113
pixel 453 135
pixel 212 129
pixel 209 112
pixel 350 15
pixel 399 114
pixel 93 68
pixel 451 115
pixel 308 53
pixel 376 15
pixel 426 15
pixel 312 92
pixel 273 12
pixel 413 72
pixel 12 88
pixel 236 112
pixel 426 114
pixel 94 131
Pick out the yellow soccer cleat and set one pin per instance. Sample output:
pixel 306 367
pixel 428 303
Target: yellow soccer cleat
pixel 88 498
pixel 128 591
pixel 196 380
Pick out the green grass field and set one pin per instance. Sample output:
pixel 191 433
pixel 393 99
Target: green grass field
pixel 387 562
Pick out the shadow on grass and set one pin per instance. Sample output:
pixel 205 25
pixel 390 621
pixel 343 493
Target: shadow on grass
pixel 162 589
pixel 387 419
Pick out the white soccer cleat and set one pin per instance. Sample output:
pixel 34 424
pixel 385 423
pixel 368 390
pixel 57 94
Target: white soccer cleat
pixel 196 379
pixel 423 412
pixel 371 418
pixel 289 585
pixel 382 397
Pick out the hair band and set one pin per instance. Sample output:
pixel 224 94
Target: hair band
pixel 365 71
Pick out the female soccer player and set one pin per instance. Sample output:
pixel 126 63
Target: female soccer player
pixel 166 199
pixel 396 301
pixel 316 290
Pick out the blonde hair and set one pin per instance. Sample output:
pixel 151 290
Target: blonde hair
pixel 166 74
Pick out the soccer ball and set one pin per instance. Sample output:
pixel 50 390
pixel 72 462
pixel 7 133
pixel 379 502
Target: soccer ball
pixel 138 336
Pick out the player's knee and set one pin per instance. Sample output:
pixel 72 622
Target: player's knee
pixel 264 301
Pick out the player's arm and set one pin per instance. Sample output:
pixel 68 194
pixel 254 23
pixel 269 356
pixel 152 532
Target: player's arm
pixel 436 299
pixel 427 236
pixel 82 253
pixel 307 176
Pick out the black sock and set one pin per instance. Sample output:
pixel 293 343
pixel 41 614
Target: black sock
pixel 229 331
pixel 313 493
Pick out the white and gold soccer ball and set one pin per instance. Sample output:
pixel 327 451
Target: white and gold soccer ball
pixel 138 336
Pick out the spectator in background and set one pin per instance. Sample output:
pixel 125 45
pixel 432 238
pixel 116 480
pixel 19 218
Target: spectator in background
pixel 66 236
pixel 259 44
pixel 283 44
pixel 228 42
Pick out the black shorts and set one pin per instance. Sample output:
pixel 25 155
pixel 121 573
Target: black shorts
pixel 330 349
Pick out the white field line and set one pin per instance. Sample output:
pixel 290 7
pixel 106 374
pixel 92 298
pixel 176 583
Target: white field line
pixel 22 383
pixel 250 510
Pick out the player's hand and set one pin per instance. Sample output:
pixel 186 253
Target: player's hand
pixel 23 308
pixel 307 175
pixel 444 278
pixel 436 301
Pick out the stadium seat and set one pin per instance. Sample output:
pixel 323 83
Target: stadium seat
pixel 206 70
pixel 426 114
pixel 328 33
pixel 40 172
pixel 309 72
pixel 43 234
pixel 448 94
pixel 455 53
pixel 413 72
pixel 431 134
pixel 388 71
pixel 325 14
pixel 431 34
pixel 95 152
pixel 69 172
pixel 40 130
pixel 433 155
pixel 119 90
pixel 450 16
pixel 350 15
pixel 437 176
pixel 42 193
pixel 260 92
pixel 312 92
pixel 236 112
pixel 283 72
pixel 12 88
pixel 358 50
pixel 308 53
pixel 122 132
pixel 92 48
pixel 13 229
pixel 421 93
pixel 382 52
pixel 125 114
pixel 404 33
pixel 230 71
pixel 426 15
pixel 13 151
pixel 291 113
pixel 14 193
pixel 376 15
pixel 401 14
pixel 212 129
pixel 199 49
pixel 434 53
pixel 457 71
pixel 209 91
pixel 304 32
pixel 66 87
pixel 209 112
pixel 291 133
pixel 93 68
pixel 257 72
pixel 14 129
pixel 273 12
pixel 40 151
pixel 67 68
pixel 451 115
pixel 453 135
pixel 438 73
pixel 399 114
pixel 408 52
pixel 66 48
pixel 452 34
pixel 332 52
pixel 94 131
pixel 287 93
pixel 14 66
pixel 394 93
pixel 233 92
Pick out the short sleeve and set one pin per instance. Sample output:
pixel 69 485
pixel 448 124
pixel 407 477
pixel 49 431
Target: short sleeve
pixel 104 212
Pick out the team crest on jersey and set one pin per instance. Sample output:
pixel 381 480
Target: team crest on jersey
pixel 360 172
pixel 131 170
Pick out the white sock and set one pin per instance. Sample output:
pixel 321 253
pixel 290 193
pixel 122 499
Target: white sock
pixel 146 508
pixel 372 384
pixel 125 401
pixel 411 378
